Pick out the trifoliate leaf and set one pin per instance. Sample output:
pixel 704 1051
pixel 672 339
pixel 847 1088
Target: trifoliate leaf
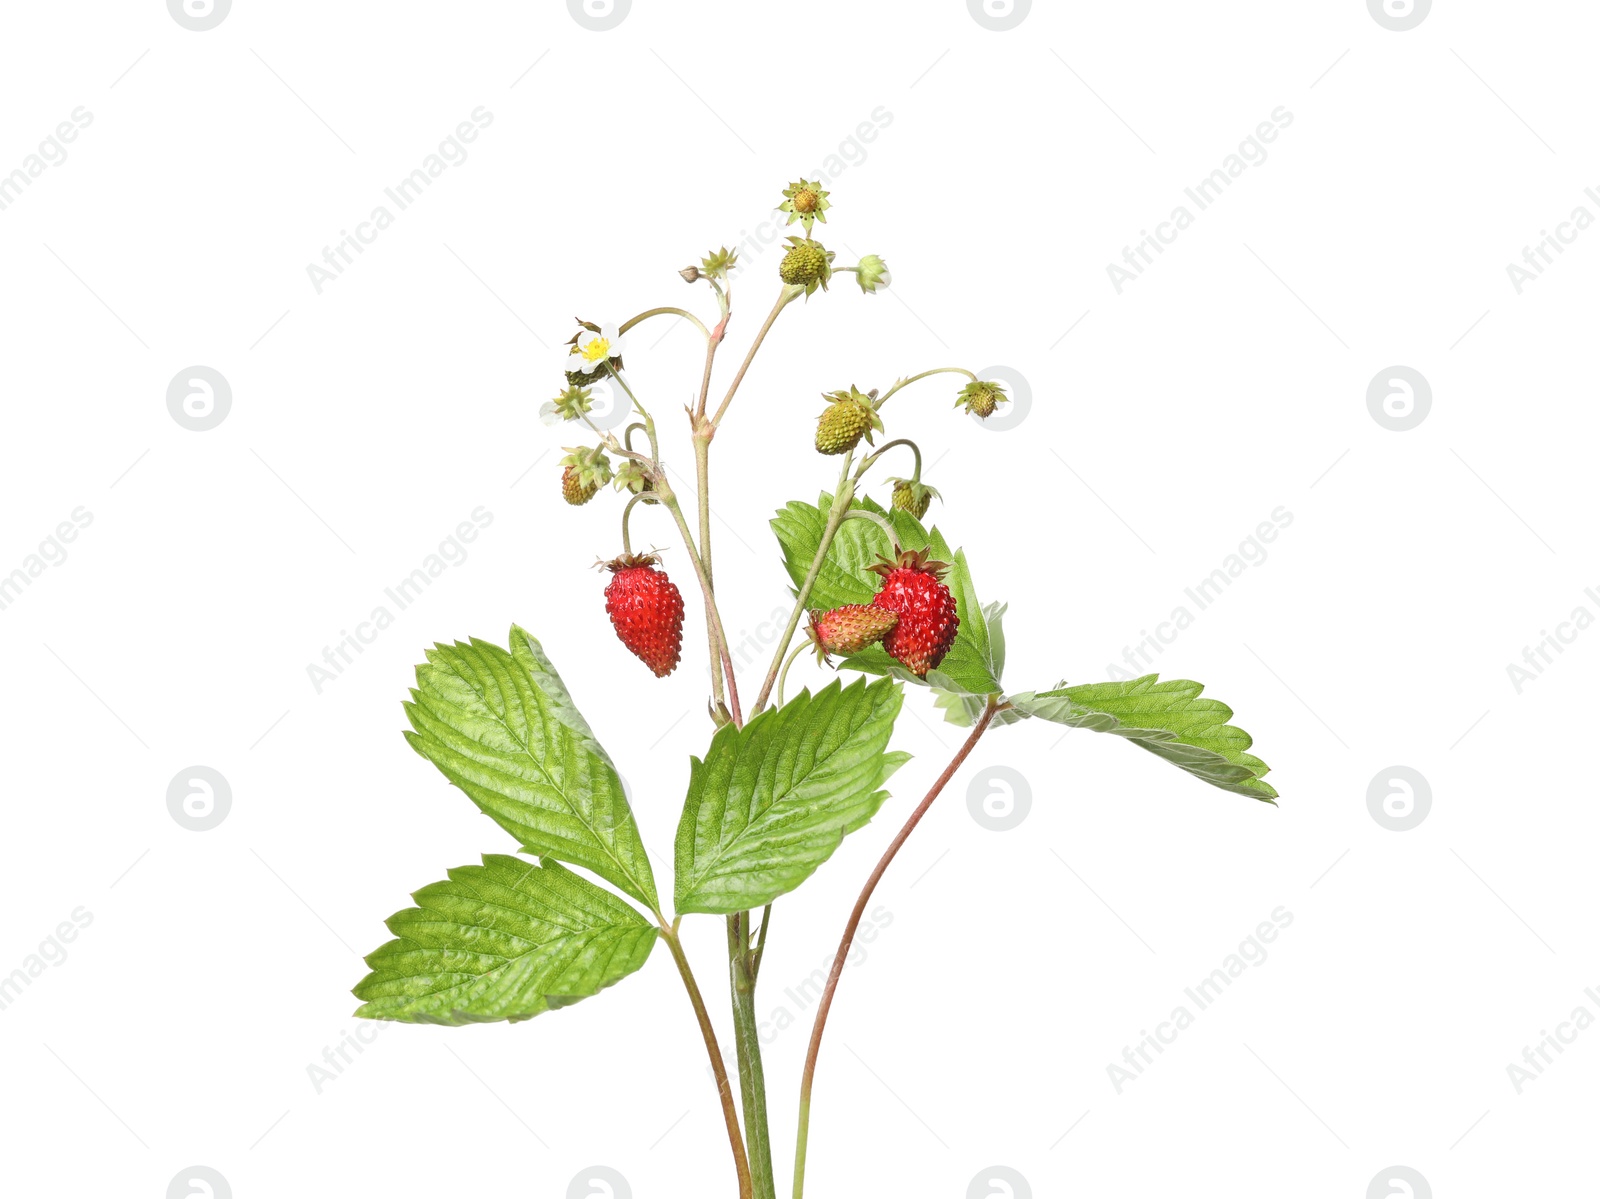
pixel 973 665
pixel 772 801
pixel 503 941
pixel 1169 719
pixel 503 728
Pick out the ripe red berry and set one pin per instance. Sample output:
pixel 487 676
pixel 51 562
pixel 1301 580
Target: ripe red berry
pixel 927 627
pixel 849 629
pixel 646 609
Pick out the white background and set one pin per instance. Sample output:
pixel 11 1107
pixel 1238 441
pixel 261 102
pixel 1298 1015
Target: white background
pixel 1167 422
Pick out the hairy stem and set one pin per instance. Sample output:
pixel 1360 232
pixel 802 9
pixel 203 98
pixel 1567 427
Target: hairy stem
pixel 844 495
pixel 761 943
pixel 702 470
pixel 627 546
pixel 938 370
pixel 741 1163
pixel 871 459
pixel 648 313
pixel 864 514
pixel 788 294
pixel 713 619
pixel 741 962
pixel 783 674
pixel 752 1076
pixel 826 1002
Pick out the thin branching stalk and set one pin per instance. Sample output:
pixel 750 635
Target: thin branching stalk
pixel 864 514
pixel 871 459
pixel 808 1076
pixel 938 370
pixel 844 494
pixel 627 546
pixel 752 1075
pixel 648 313
pixel 713 618
pixel 783 675
pixel 785 297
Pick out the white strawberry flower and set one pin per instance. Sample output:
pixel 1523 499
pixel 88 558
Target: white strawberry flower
pixel 595 349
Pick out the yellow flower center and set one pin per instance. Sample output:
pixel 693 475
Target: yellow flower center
pixel 596 351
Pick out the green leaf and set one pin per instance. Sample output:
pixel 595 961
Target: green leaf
pixel 503 728
pixel 503 941
pixel 1169 719
pixel 974 664
pixel 773 800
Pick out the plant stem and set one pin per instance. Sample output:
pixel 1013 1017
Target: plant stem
pixel 702 470
pixel 868 462
pixel 741 1164
pixel 752 1077
pixel 938 370
pixel 789 293
pixel 844 495
pixel 864 514
pixel 783 674
pixel 761 944
pixel 648 313
pixel 826 1002
pixel 713 619
pixel 627 547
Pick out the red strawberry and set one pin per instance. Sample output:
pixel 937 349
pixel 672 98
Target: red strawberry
pixel 927 626
pixel 646 610
pixel 849 629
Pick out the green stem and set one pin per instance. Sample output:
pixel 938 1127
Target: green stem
pixel 741 962
pixel 647 314
pixel 808 1076
pixel 713 618
pixel 752 1076
pixel 702 470
pixel 783 675
pixel 761 943
pixel 864 514
pixel 627 547
pixel 741 1163
pixel 938 370
pixel 844 495
pixel 868 462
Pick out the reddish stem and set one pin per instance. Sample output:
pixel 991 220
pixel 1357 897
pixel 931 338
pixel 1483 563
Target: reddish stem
pixel 826 1003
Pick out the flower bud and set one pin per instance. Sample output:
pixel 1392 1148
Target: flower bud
pixel 872 273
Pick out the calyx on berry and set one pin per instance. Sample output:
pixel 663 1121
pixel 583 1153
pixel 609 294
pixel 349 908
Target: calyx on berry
pixel 849 416
pixel 807 263
pixel 981 398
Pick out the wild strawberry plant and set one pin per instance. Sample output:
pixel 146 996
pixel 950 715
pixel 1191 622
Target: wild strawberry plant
pixel 781 783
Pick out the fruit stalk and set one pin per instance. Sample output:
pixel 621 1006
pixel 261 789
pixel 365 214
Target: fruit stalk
pixel 826 1002
pixel 650 312
pixel 844 495
pixel 938 370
